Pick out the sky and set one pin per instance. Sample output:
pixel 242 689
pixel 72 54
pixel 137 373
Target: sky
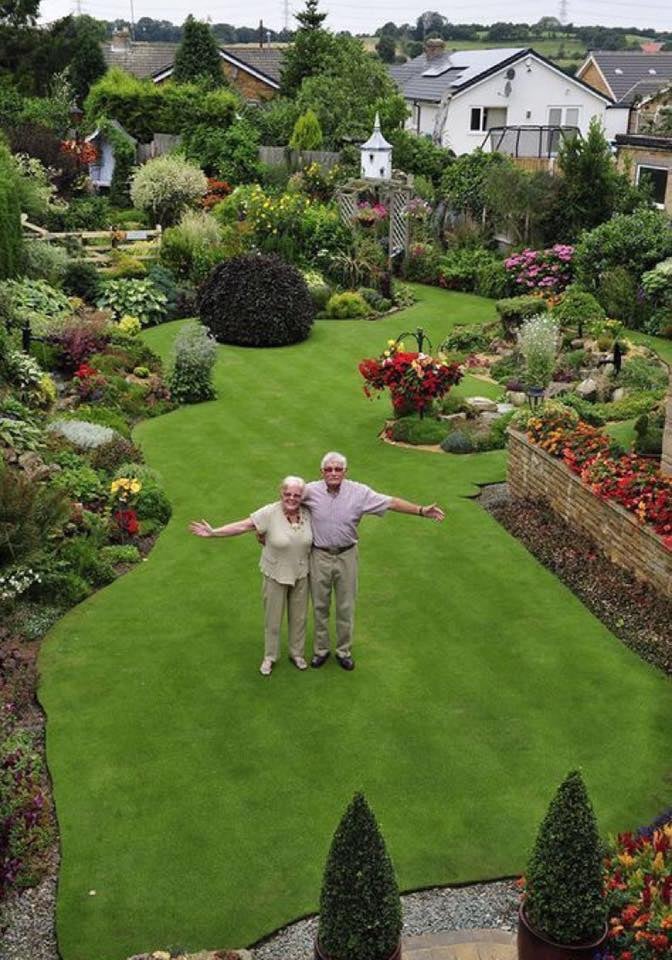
pixel 364 18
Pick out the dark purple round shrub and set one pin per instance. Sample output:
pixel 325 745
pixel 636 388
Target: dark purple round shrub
pixel 256 300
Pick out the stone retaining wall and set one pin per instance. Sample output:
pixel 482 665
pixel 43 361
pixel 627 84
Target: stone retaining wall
pixel 667 435
pixel 534 474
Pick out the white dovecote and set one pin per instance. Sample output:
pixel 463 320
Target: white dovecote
pixel 376 155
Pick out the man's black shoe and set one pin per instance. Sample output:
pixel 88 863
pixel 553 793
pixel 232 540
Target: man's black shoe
pixel 346 662
pixel 319 659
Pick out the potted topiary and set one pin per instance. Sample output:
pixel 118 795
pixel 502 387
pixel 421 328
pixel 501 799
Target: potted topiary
pixel 563 913
pixel 360 909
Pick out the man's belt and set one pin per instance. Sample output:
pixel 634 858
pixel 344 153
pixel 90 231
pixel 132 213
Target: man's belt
pixel 335 551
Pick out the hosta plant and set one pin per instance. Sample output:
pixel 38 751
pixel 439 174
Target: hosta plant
pixel 137 298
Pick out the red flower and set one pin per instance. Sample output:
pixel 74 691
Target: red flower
pixel 127 521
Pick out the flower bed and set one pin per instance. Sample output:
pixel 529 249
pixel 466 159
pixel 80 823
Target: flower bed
pixel 639 894
pixel 633 482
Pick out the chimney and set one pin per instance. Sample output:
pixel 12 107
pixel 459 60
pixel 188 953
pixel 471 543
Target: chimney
pixel 434 48
pixel 651 46
pixel 121 41
pixel 261 33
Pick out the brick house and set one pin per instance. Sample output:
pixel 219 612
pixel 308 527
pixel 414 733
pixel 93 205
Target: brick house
pixel 631 79
pixel 650 157
pixel 252 70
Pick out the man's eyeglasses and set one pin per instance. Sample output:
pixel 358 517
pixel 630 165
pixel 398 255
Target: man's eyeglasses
pixel 332 469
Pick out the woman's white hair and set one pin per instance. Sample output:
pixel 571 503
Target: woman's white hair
pixel 293 482
pixel 334 457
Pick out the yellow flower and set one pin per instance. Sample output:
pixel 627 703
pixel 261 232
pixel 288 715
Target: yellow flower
pixel 135 486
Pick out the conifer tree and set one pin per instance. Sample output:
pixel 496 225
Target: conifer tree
pixel 306 56
pixel 197 58
pixel 360 909
pixel 307 133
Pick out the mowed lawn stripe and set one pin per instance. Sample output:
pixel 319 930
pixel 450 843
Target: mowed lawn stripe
pixel 198 799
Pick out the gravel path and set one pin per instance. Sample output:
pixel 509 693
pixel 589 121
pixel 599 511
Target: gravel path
pixel 30 920
pixel 482 905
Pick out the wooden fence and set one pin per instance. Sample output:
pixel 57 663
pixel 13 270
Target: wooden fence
pixel 97 245
pixel 296 159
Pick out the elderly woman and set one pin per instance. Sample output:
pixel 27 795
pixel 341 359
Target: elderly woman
pixel 286 527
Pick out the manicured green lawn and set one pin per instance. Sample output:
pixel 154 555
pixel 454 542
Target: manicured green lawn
pixel 197 799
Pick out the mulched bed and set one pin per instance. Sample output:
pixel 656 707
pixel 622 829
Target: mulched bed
pixel 633 611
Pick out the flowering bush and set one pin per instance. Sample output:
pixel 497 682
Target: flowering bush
pixel 632 481
pixel 89 383
pixel 414 380
pixel 639 895
pixel 15 582
pixel 123 490
pixel 546 271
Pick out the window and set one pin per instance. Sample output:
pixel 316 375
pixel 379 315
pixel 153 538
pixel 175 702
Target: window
pixel 656 179
pixel 479 118
pixel 563 116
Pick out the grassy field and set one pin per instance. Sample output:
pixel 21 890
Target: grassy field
pixel 196 800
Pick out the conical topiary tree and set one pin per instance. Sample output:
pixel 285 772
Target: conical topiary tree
pixel 360 909
pixel 564 898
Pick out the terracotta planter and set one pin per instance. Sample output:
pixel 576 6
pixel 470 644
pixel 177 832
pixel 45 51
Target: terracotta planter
pixel 321 955
pixel 535 946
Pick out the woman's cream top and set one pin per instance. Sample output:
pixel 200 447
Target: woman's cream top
pixel 287 548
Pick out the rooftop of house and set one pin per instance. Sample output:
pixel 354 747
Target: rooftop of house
pixel 632 73
pixel 144 59
pixel 427 76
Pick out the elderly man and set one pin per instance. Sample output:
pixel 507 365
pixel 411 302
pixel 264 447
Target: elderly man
pixel 336 507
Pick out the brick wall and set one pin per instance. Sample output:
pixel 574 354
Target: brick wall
pixel 250 87
pixel 667 436
pixel 593 76
pixel 534 474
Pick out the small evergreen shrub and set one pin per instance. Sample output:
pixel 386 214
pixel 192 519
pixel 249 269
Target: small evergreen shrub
pixel 642 374
pixel 103 416
pixel 194 356
pixel 81 279
pixel 346 306
pixel 360 909
pixel 152 504
pixel 649 435
pixel 458 441
pixel 514 310
pixel 256 300
pixel 492 280
pixel 564 899
pixel 578 309
pixel 466 339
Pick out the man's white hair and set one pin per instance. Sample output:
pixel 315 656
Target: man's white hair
pixel 292 482
pixel 334 457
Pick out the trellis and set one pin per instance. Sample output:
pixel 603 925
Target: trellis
pixel 395 194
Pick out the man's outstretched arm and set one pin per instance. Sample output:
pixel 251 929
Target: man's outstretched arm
pixel 432 512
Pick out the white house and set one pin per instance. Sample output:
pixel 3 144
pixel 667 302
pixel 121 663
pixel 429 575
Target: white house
pixel 457 96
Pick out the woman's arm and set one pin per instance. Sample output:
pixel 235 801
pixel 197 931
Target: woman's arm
pixel 203 529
